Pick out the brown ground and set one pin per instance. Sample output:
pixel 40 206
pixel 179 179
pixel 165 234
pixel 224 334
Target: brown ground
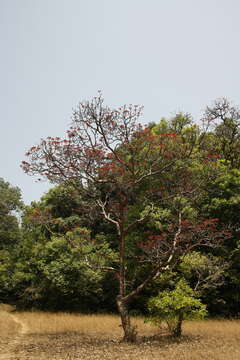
pixel 44 336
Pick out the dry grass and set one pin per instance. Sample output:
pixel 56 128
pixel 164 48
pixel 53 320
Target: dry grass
pixel 96 337
pixel 103 326
pixel 8 328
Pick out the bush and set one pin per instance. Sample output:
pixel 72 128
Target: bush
pixel 175 306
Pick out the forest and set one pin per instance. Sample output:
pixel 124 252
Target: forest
pixel 141 220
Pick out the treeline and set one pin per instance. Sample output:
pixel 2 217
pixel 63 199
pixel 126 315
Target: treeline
pixel 174 187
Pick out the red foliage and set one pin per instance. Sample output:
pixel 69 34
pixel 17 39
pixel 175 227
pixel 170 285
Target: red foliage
pixel 108 149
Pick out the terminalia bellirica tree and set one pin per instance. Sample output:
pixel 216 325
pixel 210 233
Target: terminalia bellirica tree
pixel 131 174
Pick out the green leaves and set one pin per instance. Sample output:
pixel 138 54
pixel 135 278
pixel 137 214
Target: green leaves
pixel 174 306
pixel 10 203
pixel 222 199
pixel 169 304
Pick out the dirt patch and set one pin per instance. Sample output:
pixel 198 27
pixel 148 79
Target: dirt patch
pixel 11 334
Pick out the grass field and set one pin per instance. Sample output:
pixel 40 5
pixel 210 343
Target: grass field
pixel 38 335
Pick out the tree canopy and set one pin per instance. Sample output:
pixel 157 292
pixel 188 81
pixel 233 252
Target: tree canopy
pixel 134 176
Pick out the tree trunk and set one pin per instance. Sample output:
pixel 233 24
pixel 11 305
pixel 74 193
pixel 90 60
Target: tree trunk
pixel 128 330
pixel 177 332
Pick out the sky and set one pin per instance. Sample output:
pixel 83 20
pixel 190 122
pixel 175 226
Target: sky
pixel 168 55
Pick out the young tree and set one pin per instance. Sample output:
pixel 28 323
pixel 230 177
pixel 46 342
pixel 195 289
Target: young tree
pixel 125 169
pixel 175 306
pixel 196 275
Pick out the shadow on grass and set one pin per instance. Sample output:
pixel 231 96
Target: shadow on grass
pixel 72 340
pixel 163 340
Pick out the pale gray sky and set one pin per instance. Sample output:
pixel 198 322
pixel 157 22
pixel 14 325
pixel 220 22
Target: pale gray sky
pixel 168 55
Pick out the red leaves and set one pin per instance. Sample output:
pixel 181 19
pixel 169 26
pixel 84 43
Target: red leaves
pixel 213 156
pixel 183 236
pixel 151 242
pixel 71 134
pixel 25 166
pixel 171 134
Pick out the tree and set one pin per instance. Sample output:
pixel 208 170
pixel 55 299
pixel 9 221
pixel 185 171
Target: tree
pixel 10 204
pixel 125 169
pixel 58 211
pixel 10 234
pixel 203 272
pixel 38 262
pixel 174 306
pixel 46 269
pixel 180 291
pixel 224 121
pixel 221 198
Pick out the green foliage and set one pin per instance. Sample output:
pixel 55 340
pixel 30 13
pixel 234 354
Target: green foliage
pixel 10 235
pixel 174 306
pixel 181 124
pixel 63 201
pixel 10 198
pixel 222 198
pixel 10 204
pixel 59 258
pixel 69 267
pixel 204 272
pixel 157 216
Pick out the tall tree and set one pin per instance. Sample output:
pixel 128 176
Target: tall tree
pixel 125 169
